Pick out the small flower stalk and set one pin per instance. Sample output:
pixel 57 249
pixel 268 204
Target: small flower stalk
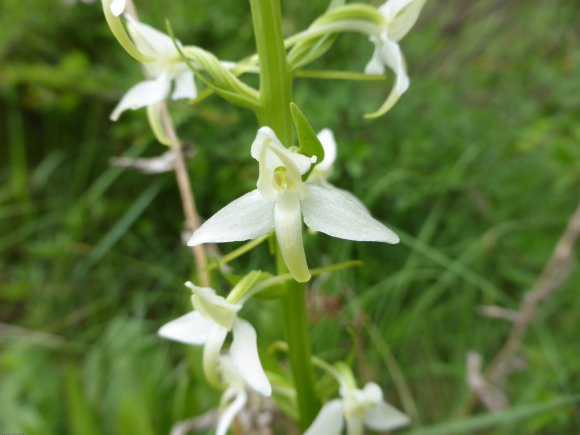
pixel 292 192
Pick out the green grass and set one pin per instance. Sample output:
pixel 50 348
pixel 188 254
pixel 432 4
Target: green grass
pixel 477 168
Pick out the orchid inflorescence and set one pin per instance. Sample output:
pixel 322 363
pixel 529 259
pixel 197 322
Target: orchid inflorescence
pixel 292 188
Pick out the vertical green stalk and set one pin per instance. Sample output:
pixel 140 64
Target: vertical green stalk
pixel 275 98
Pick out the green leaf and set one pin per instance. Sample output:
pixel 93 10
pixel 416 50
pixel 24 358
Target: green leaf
pixel 81 417
pixel 309 143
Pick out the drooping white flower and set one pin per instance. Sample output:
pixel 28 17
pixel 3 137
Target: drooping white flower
pixel 208 325
pixel 279 203
pixel 399 15
pixel 168 75
pixel 359 408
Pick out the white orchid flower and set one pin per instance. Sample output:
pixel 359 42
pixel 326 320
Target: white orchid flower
pixel 166 69
pixel 280 201
pixel 210 322
pixel 399 15
pixel 360 408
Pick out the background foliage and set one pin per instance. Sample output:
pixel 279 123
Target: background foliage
pixel 478 168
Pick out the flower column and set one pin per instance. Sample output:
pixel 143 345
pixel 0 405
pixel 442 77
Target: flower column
pixel 275 98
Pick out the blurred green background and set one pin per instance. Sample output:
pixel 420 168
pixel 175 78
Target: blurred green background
pixel 477 168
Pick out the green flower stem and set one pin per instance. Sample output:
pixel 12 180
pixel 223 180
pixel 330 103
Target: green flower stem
pixel 275 79
pixel 274 111
pixel 293 306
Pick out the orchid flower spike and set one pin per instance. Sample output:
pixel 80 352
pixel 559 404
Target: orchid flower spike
pixel 399 15
pixel 208 324
pixel 280 201
pixel 164 70
pixel 360 408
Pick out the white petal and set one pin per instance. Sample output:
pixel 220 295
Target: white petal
pixel 384 417
pixel 280 155
pixel 184 86
pixel 350 195
pixel 192 328
pixel 405 18
pixel 332 212
pixel 227 417
pixel 288 223
pixel 391 8
pixel 118 7
pixel 329 420
pixel 244 353
pixel 372 393
pixel 247 217
pixel 141 95
pixel 393 57
pixel 326 138
pixel 150 41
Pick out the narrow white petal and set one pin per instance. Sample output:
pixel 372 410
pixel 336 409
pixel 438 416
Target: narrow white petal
pixel 393 57
pixel 150 41
pixel 118 7
pixel 141 95
pixel 247 217
pixel 244 353
pixel 384 417
pixel 233 409
pixel 192 328
pixel 329 420
pixel 184 86
pixel 288 223
pixel 332 212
